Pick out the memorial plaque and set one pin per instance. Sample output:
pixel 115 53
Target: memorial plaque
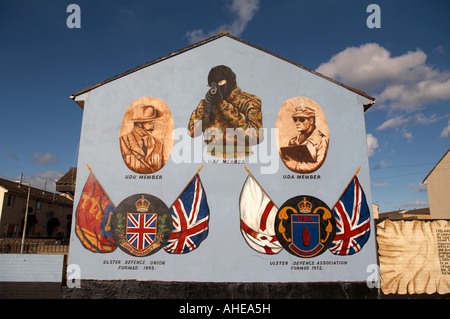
pixel 414 256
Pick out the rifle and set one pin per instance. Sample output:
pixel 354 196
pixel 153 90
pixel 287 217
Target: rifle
pixel 209 107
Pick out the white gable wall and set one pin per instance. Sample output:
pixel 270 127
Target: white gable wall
pixel 181 81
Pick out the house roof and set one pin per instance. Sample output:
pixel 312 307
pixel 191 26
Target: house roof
pixel 406 214
pixel 425 179
pixel 68 181
pixel 37 194
pixel 220 35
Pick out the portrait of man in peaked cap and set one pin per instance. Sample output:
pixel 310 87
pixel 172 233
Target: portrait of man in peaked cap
pixel 145 135
pixel 303 135
pixel 229 118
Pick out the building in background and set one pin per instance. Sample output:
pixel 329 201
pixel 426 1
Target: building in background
pixel 66 184
pixel 420 213
pixel 438 187
pixel 49 214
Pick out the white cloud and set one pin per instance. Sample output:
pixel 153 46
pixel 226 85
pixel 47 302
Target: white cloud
pixel 41 180
pixel 404 82
pixel 11 155
pixel 417 187
pixel 412 96
pixel 45 179
pixel 415 204
pixel 446 131
pixel 416 119
pixel 244 10
pixel 372 144
pixel 408 135
pixel 44 159
pixel 392 123
pixel 381 165
pixel 380 184
pixel 401 123
pixel 48 175
pixel 370 66
pixel 440 49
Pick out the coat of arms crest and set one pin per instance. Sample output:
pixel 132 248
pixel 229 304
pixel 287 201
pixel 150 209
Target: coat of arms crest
pixel 141 225
pixel 305 226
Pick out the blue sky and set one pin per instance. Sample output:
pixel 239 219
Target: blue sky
pixel 404 64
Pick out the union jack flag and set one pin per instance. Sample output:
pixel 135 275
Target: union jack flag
pixel 190 218
pixel 141 229
pixel 352 221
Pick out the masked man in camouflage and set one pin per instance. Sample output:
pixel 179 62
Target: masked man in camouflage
pixel 230 119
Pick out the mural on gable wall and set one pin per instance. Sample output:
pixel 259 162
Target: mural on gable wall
pixel 303 135
pixel 229 118
pixel 256 226
pixel 146 135
pixel 304 225
pixel 146 142
pixel 142 224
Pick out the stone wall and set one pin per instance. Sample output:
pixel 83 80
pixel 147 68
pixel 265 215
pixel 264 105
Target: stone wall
pixel 93 289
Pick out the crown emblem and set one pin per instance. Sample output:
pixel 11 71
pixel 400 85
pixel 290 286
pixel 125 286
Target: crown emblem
pixel 304 206
pixel 142 205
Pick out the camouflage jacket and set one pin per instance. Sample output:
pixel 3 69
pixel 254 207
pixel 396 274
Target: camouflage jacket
pixel 241 111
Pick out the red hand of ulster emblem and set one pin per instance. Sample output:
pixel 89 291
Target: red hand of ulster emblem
pixel 306 236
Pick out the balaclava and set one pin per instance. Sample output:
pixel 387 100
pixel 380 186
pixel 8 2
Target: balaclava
pixel 222 72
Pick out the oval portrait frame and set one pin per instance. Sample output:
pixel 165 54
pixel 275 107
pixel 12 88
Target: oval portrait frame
pixel 146 151
pixel 303 152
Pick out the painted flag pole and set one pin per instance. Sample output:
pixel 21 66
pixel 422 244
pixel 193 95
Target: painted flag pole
pixel 190 218
pixel 246 168
pixel 257 213
pixel 93 233
pixel 259 184
pixel 352 216
pixel 101 186
pixel 187 185
pixel 339 198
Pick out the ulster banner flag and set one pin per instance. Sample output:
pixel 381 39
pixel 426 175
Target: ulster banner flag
pixel 352 221
pixel 93 216
pixel 258 218
pixel 190 218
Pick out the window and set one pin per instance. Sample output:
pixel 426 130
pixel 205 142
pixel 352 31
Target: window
pixel 10 201
pixel 38 230
pixel 11 230
pixel 38 206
